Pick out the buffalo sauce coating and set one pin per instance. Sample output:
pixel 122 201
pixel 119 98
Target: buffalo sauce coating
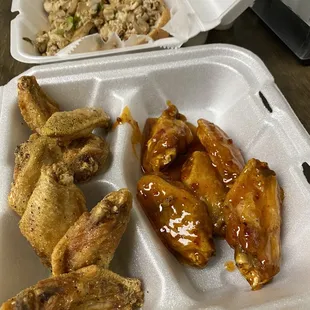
pixel 180 219
pixel 165 140
pixel 225 156
pixel 126 117
pixel 252 213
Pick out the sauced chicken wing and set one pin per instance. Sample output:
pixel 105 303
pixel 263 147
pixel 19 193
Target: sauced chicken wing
pixel 89 288
pixel 169 136
pixel 199 175
pixel 95 236
pixel 55 204
pixel 180 220
pixel 75 124
pixel 86 156
pixel 35 106
pixel 225 156
pixel 252 213
pixel 173 171
pixel 29 158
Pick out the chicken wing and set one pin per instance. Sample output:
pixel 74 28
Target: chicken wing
pixel 35 106
pixel 55 204
pixel 89 288
pixel 225 156
pixel 169 136
pixel 180 220
pixel 252 214
pixel 173 171
pixel 29 158
pixel 86 156
pixel 95 236
pixel 75 124
pixel 199 175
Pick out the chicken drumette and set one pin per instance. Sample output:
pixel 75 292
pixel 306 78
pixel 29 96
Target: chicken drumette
pixel 180 220
pixel 86 156
pixel 199 175
pixel 169 136
pixel 225 156
pixel 253 218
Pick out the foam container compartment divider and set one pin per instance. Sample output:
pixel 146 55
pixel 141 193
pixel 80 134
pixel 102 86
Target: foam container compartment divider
pixel 32 18
pixel 222 83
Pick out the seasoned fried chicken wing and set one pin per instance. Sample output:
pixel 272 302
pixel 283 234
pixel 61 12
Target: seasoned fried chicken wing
pixel 75 124
pixel 54 206
pixel 252 213
pixel 169 136
pixel 29 158
pixel 180 220
pixel 90 288
pixel 35 106
pixel 95 236
pixel 86 156
pixel 199 175
pixel 225 156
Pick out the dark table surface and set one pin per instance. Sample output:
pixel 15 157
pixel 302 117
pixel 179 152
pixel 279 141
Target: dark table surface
pixel 248 31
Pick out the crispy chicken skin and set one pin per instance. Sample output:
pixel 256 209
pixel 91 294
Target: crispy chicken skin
pixel 169 136
pixel 75 124
pixel 180 220
pixel 55 204
pixel 86 156
pixel 95 236
pixel 90 288
pixel 225 156
pixel 29 158
pixel 201 178
pixel 252 213
pixel 35 106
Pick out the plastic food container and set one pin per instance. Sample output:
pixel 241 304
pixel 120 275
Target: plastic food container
pixel 204 15
pixel 224 84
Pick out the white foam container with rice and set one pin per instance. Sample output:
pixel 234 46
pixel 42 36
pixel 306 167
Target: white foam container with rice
pixel 222 83
pixel 203 16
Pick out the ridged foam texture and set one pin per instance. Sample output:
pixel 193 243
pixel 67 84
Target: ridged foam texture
pixel 32 19
pixel 221 83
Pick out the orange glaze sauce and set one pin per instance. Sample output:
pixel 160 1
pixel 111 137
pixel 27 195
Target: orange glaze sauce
pixel 174 170
pixel 126 117
pixel 230 266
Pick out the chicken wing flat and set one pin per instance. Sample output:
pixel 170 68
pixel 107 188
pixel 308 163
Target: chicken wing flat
pixel 75 124
pixel 180 220
pixel 225 156
pixel 35 106
pixel 86 156
pixel 54 206
pixel 29 158
pixel 169 136
pixel 95 236
pixel 199 175
pixel 252 213
pixel 90 288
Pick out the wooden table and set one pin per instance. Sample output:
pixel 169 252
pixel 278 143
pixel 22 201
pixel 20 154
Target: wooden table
pixel 248 31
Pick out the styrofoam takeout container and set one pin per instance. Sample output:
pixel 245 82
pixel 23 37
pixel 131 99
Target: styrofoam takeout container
pixel 224 84
pixel 205 15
